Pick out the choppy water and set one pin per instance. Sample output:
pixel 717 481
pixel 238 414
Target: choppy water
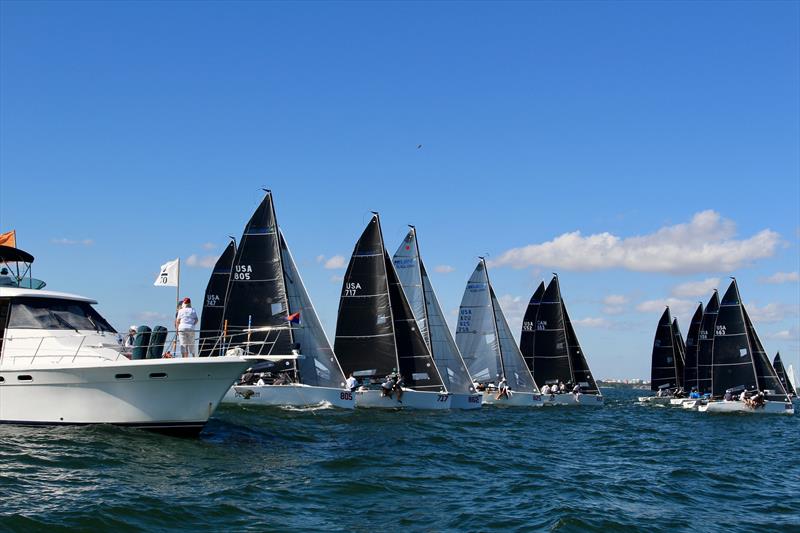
pixel 621 468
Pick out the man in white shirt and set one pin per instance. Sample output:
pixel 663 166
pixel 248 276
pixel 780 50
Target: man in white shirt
pixel 185 323
pixel 546 389
pixel 350 383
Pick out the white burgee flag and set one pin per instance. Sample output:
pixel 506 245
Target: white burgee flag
pixel 170 273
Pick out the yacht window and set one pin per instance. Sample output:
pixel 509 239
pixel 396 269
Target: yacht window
pixel 54 313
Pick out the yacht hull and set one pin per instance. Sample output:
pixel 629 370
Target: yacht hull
pixel 295 395
pixel 466 400
pixel 166 395
pixel 515 399
pixel 736 406
pixel 655 400
pixel 584 400
pixel 412 399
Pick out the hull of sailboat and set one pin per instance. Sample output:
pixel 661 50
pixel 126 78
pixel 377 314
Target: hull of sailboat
pixel 582 400
pixel 736 406
pixel 295 395
pixel 167 395
pixel 678 402
pixel 655 400
pixel 466 401
pixel 412 399
pixel 515 399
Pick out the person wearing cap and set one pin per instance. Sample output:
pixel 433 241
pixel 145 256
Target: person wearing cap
pixel 185 323
pixel 130 338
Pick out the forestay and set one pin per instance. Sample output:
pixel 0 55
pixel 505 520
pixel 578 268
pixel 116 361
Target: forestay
pixel 581 374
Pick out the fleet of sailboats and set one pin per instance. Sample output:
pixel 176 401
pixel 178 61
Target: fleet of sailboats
pixel 552 352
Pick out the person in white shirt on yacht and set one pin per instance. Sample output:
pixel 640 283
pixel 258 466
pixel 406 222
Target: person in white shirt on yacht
pixel 185 323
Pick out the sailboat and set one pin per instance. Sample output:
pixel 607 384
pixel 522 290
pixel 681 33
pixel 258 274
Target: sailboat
pixel 378 336
pixel 211 326
pixel 690 382
pixel 740 365
pixel 554 354
pixel 488 348
pixel 431 322
pixel 783 375
pixel 666 365
pixel 269 318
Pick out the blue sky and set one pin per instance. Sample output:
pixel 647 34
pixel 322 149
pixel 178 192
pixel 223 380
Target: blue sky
pixel 666 134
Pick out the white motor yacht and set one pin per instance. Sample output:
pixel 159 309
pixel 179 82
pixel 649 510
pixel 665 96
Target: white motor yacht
pixel 62 363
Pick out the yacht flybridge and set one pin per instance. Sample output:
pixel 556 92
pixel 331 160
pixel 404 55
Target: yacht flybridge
pixel 61 363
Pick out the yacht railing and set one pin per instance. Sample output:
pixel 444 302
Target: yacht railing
pixel 218 344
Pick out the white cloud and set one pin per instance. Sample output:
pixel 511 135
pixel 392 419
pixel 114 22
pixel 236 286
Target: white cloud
pixel 336 278
pixel 784 335
pixel 209 246
pixel 72 242
pixel 148 317
pixel 772 312
pixel 692 289
pixel 337 261
pixel 614 304
pixel 592 322
pixel 207 261
pixel 705 244
pixel 615 299
pixel 320 258
pixel 444 269
pixel 677 306
pixel 782 277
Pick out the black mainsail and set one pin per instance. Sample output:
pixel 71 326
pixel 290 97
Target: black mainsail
pixel 738 358
pixel 705 343
pixel 376 331
pixel 529 326
pixel 256 310
pixel 211 326
pixel 680 345
pixel 780 371
pixel 690 361
pixel 665 367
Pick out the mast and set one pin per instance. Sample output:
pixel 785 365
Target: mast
pixel 282 277
pixel 388 291
pixel 747 333
pixel 564 326
pixel 494 317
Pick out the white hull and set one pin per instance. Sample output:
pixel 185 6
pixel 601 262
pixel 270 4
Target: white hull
pixel 167 394
pixel 296 395
pixel 466 401
pixel 655 400
pixel 412 399
pixel 693 405
pixel 515 399
pixel 590 400
pixel 736 406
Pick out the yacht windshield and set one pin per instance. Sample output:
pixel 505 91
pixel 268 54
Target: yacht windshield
pixel 53 313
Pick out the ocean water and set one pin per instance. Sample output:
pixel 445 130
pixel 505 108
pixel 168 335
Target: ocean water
pixel 624 467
